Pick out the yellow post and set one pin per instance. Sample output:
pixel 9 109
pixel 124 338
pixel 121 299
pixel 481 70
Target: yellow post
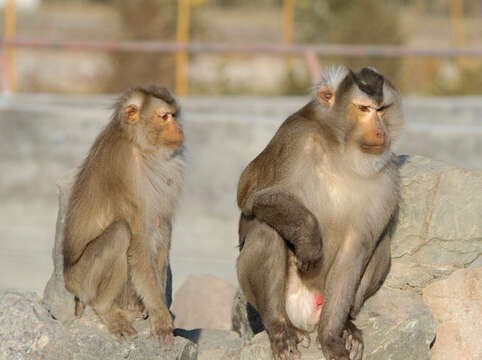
pixel 457 18
pixel 288 21
pixel 287 30
pixel 182 37
pixel 10 50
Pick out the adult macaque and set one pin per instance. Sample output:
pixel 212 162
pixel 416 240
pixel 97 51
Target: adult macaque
pixel 118 221
pixel 316 206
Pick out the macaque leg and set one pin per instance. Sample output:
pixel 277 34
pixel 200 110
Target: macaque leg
pixel 373 277
pixel 147 282
pixel 335 327
pixel 100 275
pixel 132 303
pixel 165 230
pixel 262 267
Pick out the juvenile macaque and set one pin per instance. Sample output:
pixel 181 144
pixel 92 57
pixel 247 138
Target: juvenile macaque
pixel 316 207
pixel 118 222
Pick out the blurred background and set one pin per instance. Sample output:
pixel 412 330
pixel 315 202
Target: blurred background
pixel 61 66
pixel 240 68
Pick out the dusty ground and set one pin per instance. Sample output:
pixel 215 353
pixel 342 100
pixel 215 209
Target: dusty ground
pixel 43 136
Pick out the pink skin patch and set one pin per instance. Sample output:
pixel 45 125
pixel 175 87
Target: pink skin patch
pixel 319 300
pixel 158 222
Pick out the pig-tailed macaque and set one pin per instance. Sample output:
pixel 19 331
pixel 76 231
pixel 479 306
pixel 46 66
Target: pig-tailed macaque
pixel 316 207
pixel 118 222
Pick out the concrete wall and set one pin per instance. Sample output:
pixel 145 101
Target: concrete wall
pixel 43 136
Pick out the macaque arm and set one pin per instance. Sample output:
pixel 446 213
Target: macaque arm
pixel 261 195
pixel 292 220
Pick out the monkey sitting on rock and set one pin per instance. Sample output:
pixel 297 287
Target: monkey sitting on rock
pixel 316 207
pixel 118 221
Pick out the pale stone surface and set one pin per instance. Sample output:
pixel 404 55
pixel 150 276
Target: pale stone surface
pixel 259 349
pixel 203 301
pixel 456 303
pixel 28 332
pixel 219 345
pixel 438 228
pixel 57 299
pixel 396 323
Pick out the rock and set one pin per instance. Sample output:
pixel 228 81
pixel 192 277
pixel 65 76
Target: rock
pixel 219 344
pixel 245 319
pixel 438 229
pixel 203 301
pixel 456 303
pixel 259 349
pixel 28 332
pixel 58 301
pixel 397 325
pixel 213 344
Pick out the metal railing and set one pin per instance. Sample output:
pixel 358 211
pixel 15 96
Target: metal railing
pixel 308 51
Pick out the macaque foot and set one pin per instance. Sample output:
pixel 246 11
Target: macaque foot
pixel 304 339
pixel 119 323
pixel 162 327
pixel 334 348
pixel 136 314
pixel 284 344
pixel 353 341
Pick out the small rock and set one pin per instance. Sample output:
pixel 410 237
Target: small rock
pixel 245 319
pixel 259 349
pixel 203 301
pixel 219 345
pixel 456 303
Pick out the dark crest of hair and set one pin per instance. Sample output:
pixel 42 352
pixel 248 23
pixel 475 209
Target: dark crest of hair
pixel 370 82
pixel 157 91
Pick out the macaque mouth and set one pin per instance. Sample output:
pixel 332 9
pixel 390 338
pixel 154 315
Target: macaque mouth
pixel 372 149
pixel 173 143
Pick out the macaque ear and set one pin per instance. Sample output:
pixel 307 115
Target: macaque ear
pixel 326 95
pixel 131 114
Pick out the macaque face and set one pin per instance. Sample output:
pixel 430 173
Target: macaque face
pixel 158 121
pixel 162 125
pixel 370 128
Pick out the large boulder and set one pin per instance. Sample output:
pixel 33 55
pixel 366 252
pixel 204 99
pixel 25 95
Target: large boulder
pixel 438 230
pixel 456 303
pixel 439 227
pixel 203 301
pixel 28 332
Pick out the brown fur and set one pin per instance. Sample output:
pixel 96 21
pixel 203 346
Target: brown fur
pixel 316 209
pixel 118 221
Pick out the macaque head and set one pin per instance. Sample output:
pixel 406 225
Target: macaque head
pixel 365 106
pixel 151 117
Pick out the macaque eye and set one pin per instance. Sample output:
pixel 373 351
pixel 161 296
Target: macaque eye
pixel 165 115
pixel 363 108
pixel 383 108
